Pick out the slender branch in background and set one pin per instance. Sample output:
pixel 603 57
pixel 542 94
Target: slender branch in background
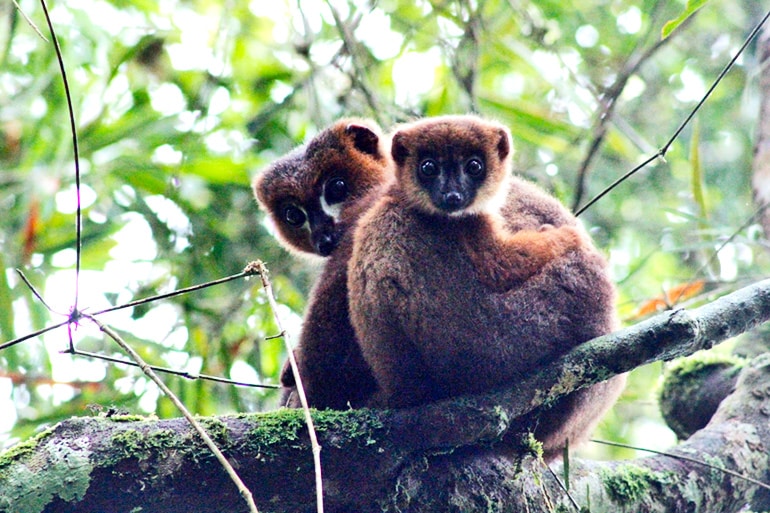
pixel 259 268
pixel 34 334
pixel 76 155
pixel 166 370
pixel 760 167
pixel 245 273
pixel 754 217
pixel 358 74
pixel 244 491
pixel 74 317
pixel 686 458
pixel 465 59
pixel 29 21
pixel 664 149
pixel 608 101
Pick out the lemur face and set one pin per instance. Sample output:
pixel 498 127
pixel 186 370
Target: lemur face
pixel 307 192
pixel 309 222
pixel 452 165
pixel 451 183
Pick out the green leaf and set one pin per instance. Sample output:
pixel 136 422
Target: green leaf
pixel 690 9
pixel 218 170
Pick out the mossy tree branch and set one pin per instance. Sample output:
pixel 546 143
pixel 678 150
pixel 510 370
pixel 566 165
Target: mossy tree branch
pixel 441 456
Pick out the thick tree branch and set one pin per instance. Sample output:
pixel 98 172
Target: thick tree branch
pixel 437 456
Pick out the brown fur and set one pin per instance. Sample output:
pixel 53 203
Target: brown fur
pixel 332 369
pixel 426 302
pixel 501 259
pixel 351 149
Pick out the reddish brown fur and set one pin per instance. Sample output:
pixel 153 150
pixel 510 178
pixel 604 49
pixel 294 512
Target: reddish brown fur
pixel 298 177
pixel 332 369
pixel 501 259
pixel 460 136
pixel 431 329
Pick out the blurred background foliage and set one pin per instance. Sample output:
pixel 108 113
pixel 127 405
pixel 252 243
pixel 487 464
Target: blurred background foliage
pixel 179 103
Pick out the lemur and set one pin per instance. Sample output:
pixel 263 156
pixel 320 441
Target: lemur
pixel 462 279
pixel 314 196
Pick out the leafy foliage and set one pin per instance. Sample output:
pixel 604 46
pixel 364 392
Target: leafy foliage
pixel 180 103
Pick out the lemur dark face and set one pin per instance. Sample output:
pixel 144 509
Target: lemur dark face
pixel 451 183
pixel 312 221
pixel 451 165
pixel 307 192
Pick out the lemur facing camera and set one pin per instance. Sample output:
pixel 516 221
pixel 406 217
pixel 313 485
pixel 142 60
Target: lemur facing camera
pixel 314 195
pixel 463 279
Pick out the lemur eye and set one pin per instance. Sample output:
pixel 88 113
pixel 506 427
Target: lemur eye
pixel 335 191
pixel 294 216
pixel 474 167
pixel 428 168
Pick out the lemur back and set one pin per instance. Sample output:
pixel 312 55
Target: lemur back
pixel 314 195
pixel 436 317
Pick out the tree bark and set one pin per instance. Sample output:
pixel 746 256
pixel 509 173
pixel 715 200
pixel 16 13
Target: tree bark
pixel 440 457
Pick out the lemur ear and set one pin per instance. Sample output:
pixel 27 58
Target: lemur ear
pixel 398 148
pixel 503 143
pixel 365 139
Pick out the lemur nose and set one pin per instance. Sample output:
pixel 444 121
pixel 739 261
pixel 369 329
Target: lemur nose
pixel 326 244
pixel 453 200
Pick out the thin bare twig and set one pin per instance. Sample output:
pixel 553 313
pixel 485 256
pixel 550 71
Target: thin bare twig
pixel 259 268
pixel 76 156
pixel 34 334
pixel 245 273
pixel 244 491
pixel 72 318
pixel 34 291
pixel 29 21
pixel 609 102
pixel 564 487
pixel 166 370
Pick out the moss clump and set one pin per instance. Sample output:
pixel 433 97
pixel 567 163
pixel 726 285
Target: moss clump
pixel 698 364
pixel 281 427
pixel 696 385
pixel 135 444
pixel 126 418
pixel 358 425
pixel 628 484
pixel 275 428
pixel 532 445
pixel 22 448
pixel 216 428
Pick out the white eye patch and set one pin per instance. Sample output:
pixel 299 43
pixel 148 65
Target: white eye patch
pixel 332 211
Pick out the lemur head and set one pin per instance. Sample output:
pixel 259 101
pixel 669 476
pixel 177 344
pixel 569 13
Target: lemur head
pixel 307 192
pixel 452 165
